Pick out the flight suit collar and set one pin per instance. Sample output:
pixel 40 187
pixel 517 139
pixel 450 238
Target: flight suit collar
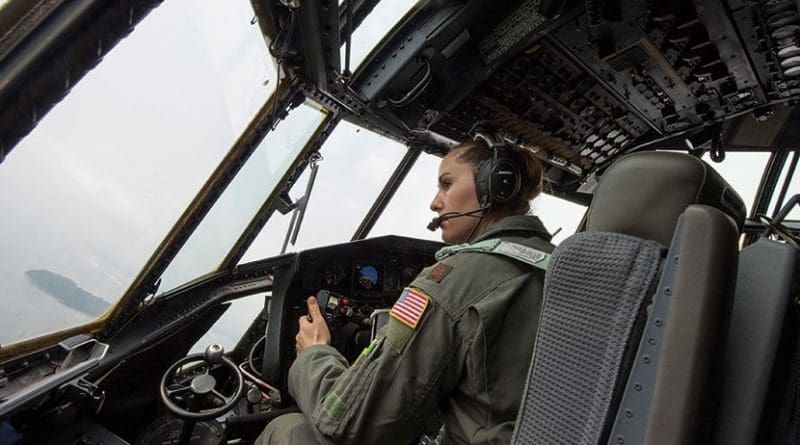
pixel 529 224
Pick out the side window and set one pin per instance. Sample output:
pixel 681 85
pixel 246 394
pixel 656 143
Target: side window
pixel 408 213
pixel 743 171
pixel 793 189
pixel 558 215
pixel 233 324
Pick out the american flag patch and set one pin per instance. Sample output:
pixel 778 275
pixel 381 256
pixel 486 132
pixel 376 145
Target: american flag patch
pixel 409 307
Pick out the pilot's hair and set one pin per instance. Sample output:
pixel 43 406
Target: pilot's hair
pixel 476 152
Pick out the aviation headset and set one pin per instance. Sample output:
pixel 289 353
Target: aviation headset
pixel 499 178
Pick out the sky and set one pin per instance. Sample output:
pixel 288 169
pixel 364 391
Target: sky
pixel 106 173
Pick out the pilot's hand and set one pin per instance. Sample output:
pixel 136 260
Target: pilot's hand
pixel 313 329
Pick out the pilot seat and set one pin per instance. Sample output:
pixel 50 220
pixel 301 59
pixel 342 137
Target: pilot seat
pixel 636 310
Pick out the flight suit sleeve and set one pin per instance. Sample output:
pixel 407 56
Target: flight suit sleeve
pixel 392 389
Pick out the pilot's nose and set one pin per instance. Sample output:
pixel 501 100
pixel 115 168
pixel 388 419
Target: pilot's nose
pixel 436 204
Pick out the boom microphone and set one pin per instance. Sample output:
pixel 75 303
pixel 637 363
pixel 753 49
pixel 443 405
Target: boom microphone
pixel 437 222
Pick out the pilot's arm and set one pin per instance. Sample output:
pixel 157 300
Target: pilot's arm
pixel 388 395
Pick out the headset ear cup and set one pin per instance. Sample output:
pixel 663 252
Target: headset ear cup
pixel 505 179
pixel 483 181
pixel 499 178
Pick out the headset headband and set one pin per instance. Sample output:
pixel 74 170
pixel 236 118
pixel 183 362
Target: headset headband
pixel 493 140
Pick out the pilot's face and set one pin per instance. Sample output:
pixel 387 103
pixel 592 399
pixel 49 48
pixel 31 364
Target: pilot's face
pixel 456 193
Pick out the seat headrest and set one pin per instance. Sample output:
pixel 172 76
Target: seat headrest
pixel 644 193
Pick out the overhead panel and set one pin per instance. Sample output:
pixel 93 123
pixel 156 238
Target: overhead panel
pixel 583 83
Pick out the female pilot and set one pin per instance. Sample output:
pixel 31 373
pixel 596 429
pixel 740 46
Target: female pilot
pixel 459 339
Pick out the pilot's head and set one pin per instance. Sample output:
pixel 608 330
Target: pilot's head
pixel 457 193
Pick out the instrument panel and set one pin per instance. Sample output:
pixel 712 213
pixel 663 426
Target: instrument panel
pixel 369 275
pixel 364 276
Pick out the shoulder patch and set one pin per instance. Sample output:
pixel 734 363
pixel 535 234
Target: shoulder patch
pixel 439 272
pixel 409 307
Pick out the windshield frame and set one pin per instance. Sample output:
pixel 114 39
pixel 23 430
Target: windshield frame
pixel 769 182
pixel 780 199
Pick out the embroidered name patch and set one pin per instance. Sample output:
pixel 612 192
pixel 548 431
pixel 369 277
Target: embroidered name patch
pixel 409 307
pixel 523 253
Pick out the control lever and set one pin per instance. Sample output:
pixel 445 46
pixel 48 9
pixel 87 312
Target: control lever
pixel 214 353
pixel 350 330
pixel 332 305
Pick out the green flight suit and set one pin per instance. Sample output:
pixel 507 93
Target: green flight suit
pixel 467 356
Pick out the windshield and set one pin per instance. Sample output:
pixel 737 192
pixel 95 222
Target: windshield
pixel 355 165
pixel 213 238
pixel 91 192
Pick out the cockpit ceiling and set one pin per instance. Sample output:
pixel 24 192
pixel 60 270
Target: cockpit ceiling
pixel 589 82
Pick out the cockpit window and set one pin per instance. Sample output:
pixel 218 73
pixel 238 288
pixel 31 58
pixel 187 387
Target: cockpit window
pixel 792 188
pixel 408 213
pixel 560 217
pixel 374 28
pixel 233 324
pixel 355 165
pixel 743 171
pixel 239 203
pixel 92 191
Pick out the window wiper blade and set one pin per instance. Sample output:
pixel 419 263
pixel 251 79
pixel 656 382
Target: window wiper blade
pixel 301 204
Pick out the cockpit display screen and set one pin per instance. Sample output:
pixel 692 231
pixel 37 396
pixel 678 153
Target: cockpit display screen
pixel 368 277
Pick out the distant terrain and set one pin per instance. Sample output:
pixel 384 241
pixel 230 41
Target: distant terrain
pixel 67 292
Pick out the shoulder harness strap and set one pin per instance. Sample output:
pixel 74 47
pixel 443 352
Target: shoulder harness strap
pixel 525 254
